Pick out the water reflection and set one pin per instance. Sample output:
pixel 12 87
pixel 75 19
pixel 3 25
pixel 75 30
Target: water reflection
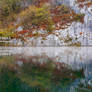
pixel 46 69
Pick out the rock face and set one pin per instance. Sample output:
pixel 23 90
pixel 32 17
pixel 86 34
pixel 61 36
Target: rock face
pixel 75 34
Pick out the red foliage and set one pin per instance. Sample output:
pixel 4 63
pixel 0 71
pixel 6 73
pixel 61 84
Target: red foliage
pixel 23 32
pixel 29 35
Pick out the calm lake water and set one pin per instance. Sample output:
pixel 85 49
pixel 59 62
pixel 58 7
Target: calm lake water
pixel 46 69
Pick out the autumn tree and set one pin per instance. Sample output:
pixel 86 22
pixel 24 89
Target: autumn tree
pixel 9 6
pixel 37 18
pixel 7 10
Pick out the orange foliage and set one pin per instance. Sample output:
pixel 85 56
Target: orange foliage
pixel 88 4
pixel 81 33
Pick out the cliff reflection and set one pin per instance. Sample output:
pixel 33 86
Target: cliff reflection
pixel 58 70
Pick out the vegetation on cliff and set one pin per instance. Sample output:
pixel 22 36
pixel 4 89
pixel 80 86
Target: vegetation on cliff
pixel 40 14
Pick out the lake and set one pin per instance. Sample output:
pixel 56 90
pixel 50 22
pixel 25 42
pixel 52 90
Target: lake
pixel 45 69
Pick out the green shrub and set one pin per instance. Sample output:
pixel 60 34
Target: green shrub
pixel 79 17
